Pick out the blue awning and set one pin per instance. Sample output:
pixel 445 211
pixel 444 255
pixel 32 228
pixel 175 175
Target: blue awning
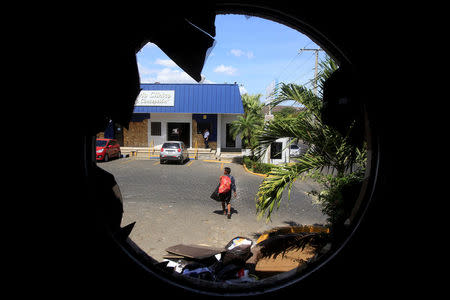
pixel 197 99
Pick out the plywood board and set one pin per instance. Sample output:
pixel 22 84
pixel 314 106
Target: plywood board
pixel 194 251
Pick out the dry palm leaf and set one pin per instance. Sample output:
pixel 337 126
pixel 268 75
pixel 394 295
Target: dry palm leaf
pixel 282 243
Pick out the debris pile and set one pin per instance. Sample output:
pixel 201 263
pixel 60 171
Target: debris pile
pixel 240 261
pixel 209 263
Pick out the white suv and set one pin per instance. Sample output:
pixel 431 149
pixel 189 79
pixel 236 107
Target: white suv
pixel 294 151
pixel 173 151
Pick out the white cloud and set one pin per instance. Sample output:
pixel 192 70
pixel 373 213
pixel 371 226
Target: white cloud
pixel 166 63
pixel 175 76
pixel 168 75
pixel 229 70
pixel 239 53
pixel 146 71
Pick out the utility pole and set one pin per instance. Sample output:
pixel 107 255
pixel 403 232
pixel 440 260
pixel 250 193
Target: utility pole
pixel 317 65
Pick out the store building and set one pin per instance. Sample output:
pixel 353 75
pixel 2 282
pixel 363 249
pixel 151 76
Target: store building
pixel 182 112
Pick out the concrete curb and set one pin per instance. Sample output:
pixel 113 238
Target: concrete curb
pixel 257 174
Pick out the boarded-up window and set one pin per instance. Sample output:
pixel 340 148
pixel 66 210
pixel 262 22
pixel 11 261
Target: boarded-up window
pixel 155 128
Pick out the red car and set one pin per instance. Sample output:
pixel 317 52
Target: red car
pixel 106 149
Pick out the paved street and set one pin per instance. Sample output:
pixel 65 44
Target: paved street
pixel 170 204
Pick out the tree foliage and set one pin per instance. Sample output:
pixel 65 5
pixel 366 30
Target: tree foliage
pixel 328 152
pixel 247 125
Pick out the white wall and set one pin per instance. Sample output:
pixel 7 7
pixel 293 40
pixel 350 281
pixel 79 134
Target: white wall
pixel 165 118
pixel 284 154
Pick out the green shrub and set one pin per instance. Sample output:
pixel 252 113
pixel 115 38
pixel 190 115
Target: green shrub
pixel 248 161
pixel 255 166
pixel 262 168
pixel 339 196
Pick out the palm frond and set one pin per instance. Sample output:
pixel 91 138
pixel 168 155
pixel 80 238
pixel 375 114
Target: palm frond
pixel 328 149
pixel 246 126
pixel 297 93
pixel 280 177
pixel 252 104
pixel 280 244
pixel 327 67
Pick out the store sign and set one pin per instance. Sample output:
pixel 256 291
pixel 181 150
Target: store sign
pixel 155 98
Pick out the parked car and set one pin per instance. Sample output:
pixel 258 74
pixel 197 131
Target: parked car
pixel 294 151
pixel 106 149
pixel 173 151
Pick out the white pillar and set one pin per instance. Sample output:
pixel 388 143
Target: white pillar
pixel 191 137
pixel 219 134
pixel 288 151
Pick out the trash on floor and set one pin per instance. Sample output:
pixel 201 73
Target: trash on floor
pixel 240 261
pixel 209 263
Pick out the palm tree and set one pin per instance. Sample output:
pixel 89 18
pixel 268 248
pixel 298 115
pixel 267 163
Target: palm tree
pixel 252 104
pixel 246 126
pixel 252 120
pixel 328 149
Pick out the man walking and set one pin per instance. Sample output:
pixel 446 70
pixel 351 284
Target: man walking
pixel 226 186
pixel 206 137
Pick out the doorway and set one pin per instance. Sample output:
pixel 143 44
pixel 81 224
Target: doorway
pixel 230 141
pixel 118 133
pixel 179 132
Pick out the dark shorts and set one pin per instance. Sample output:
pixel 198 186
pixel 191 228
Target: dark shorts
pixel 225 197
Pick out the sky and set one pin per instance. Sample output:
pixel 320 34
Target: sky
pixel 251 51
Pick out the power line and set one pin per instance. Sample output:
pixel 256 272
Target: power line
pixel 284 69
pixel 290 62
pixel 304 74
pixel 316 67
pixel 299 68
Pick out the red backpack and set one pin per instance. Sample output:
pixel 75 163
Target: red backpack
pixel 225 184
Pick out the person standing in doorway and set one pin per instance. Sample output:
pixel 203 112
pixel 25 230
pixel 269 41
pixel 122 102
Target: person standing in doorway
pixel 226 186
pixel 206 137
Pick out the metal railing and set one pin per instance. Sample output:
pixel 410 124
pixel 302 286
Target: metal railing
pixel 153 151
pixel 196 151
